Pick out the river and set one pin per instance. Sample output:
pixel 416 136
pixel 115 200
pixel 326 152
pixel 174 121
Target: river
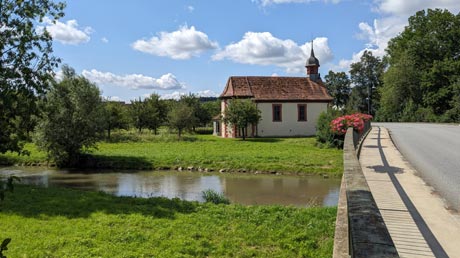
pixel 300 191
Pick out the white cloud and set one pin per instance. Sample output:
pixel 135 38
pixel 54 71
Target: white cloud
pixel 275 75
pixel 104 40
pixel 177 94
pixel 68 32
pixel 174 95
pixel 394 16
pixel 272 2
pixel 134 81
pixel 262 48
pixel 190 8
pixel 206 93
pixel 114 98
pixel 181 44
pixel 407 8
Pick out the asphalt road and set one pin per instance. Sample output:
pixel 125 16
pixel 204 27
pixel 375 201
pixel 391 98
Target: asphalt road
pixel 434 151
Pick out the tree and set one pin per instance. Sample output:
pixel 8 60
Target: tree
pixel 156 112
pixel 193 103
pixel 26 64
pixel 366 75
pixel 114 116
pixel 210 110
pixel 241 113
pixel 138 114
pixel 72 119
pixel 338 86
pixel 181 117
pixel 424 68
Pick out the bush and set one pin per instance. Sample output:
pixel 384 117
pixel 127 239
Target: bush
pixel 331 127
pixel 214 197
pixel 324 134
pixel 204 130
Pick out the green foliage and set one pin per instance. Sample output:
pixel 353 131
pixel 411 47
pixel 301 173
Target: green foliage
pixel 324 134
pixel 58 222
pixel 156 112
pixel 204 130
pixel 26 66
pixel 114 116
pixel 214 197
pixel 241 113
pixel 366 75
pixel 71 120
pixel 6 187
pixel 293 155
pixel 181 117
pixel 339 87
pixel 420 84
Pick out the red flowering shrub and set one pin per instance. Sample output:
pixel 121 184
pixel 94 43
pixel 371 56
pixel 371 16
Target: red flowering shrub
pixel 340 124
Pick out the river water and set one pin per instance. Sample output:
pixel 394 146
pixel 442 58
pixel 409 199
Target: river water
pixel 301 191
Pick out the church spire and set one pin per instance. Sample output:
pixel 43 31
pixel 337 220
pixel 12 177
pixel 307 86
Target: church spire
pixel 312 65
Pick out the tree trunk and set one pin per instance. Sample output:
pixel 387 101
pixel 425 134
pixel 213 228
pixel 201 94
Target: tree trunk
pixel 244 133
pixel 179 133
pixel 108 133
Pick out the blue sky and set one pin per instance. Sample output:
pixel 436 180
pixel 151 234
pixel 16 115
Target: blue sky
pixel 131 49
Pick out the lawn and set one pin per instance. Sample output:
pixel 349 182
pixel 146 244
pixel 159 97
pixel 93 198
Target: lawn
pixel 58 222
pixel 286 155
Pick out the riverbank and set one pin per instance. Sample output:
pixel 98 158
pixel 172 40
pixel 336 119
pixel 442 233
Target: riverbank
pixel 205 153
pixel 58 222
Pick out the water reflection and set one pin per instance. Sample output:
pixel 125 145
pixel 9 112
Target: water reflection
pixel 244 189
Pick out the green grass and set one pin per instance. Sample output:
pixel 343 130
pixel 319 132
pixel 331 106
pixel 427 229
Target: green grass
pixel 291 155
pixel 58 222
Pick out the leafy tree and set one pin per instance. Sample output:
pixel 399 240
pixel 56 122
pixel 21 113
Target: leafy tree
pixel 156 112
pixel 339 87
pixel 241 113
pixel 366 75
pixel 114 116
pixel 26 64
pixel 181 117
pixel 138 114
pixel 212 109
pixel 71 121
pixel 193 103
pixel 424 69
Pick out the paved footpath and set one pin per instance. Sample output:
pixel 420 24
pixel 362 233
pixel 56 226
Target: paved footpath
pixel 416 217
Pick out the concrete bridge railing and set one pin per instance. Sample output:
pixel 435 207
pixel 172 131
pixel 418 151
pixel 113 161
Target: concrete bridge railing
pixel 360 229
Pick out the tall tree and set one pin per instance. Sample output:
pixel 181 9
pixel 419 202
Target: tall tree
pixel 366 75
pixel 241 113
pixel 339 87
pixel 72 119
pixel 26 64
pixel 425 65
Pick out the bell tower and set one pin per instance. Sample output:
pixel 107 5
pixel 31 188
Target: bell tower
pixel 312 65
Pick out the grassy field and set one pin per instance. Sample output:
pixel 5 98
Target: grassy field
pixel 289 155
pixel 58 222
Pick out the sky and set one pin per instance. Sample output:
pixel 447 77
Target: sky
pixel 131 49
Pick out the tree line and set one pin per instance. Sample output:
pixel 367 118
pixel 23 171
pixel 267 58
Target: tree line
pixel 73 116
pixel 418 80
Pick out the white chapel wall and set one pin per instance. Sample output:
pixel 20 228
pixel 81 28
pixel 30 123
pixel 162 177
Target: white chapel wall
pixel 289 126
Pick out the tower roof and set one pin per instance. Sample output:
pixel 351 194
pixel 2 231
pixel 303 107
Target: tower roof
pixel 312 60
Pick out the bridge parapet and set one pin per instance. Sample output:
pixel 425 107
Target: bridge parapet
pixel 360 229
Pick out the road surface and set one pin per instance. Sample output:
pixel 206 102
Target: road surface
pixel 434 151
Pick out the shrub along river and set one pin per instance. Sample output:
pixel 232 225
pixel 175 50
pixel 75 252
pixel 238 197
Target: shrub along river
pixel 245 189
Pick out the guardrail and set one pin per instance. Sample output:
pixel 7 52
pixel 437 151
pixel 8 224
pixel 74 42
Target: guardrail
pixel 360 230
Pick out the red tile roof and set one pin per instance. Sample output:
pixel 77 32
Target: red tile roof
pixel 271 88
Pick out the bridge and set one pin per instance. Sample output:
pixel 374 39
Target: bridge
pixel 385 209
